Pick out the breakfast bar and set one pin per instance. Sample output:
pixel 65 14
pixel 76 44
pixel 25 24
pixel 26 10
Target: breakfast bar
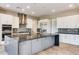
pixel 28 45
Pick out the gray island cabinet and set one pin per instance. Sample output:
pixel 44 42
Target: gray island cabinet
pixel 30 46
pixel 36 46
pixel 25 48
pixel 11 46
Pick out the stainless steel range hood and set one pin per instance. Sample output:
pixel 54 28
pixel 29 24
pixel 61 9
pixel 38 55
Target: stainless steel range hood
pixel 22 20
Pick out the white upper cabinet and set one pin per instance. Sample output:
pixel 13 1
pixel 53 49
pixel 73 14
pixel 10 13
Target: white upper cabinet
pixel 59 22
pixel 9 19
pixel 68 22
pixel 6 19
pixel 15 22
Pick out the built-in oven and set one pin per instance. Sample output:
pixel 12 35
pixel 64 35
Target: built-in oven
pixel 6 30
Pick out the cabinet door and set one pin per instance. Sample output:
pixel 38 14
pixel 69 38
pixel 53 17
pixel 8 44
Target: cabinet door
pixel 36 46
pixel 75 21
pixel 3 18
pixel 66 21
pixel 59 22
pixel 50 41
pixel 72 21
pixel 64 38
pixel 6 19
pixel 76 40
pixel 71 38
pixel 44 43
pixel 11 46
pixel 15 22
pixel 61 37
pixel 25 48
pixel 67 38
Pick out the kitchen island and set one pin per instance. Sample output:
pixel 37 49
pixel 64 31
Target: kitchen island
pixel 28 44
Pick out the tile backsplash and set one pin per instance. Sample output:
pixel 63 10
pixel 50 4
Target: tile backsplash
pixel 69 30
pixel 22 30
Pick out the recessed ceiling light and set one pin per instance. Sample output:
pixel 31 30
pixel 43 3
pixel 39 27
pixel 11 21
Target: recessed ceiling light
pixel 23 9
pixel 71 5
pixel 28 7
pixel 7 5
pixel 33 12
pixel 53 10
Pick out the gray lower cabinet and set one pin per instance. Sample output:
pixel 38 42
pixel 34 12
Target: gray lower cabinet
pixel 36 46
pixel 47 42
pixel 11 46
pixel 50 41
pixel 41 44
pixel 25 48
pixel 44 43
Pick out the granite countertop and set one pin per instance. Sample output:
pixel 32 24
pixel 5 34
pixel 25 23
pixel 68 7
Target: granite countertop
pixel 70 33
pixel 24 37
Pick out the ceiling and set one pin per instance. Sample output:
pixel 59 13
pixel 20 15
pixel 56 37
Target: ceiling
pixel 39 9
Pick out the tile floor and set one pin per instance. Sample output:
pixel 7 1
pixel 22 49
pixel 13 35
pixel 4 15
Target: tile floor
pixel 63 49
